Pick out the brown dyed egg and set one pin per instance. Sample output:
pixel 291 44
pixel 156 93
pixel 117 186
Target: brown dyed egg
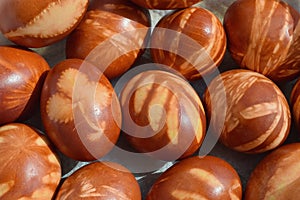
pixel 22 74
pixel 192 41
pixel 34 23
pixel 295 103
pixel 277 176
pixel 123 8
pixel 248 110
pixel 102 181
pixel 162 115
pixel 165 4
pixel 263 36
pixel 112 36
pixel 80 111
pixel 196 177
pixel 29 168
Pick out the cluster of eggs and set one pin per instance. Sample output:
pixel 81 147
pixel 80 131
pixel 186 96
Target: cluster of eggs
pixel 158 111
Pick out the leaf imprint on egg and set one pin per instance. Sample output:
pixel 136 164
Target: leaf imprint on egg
pixel 60 106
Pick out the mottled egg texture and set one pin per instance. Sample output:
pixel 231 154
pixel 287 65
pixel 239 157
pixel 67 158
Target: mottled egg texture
pixel 277 176
pixel 198 178
pixel 162 115
pixel 80 111
pixel 29 168
pixel 112 36
pixel 35 23
pixel 22 74
pixel 191 41
pixel 295 103
pixel 165 4
pixel 264 36
pixel 102 181
pixel 248 111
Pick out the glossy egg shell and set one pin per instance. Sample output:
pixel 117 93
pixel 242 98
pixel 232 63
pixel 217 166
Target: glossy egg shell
pixel 248 111
pixel 163 116
pixel 80 111
pixel 295 103
pixel 100 180
pixel 197 177
pixel 263 36
pixel 22 73
pixel 123 8
pixel 34 23
pixel 277 175
pixel 165 4
pixel 29 168
pixel 112 36
pixel 191 41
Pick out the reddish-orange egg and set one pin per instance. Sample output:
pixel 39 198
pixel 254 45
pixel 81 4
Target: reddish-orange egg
pixel 165 4
pixel 29 168
pixel 123 8
pixel 112 36
pixel 206 177
pixel 34 23
pixel 191 41
pixel 277 176
pixel 22 74
pixel 295 103
pixel 80 111
pixel 247 111
pixel 263 36
pixel 163 116
pixel 100 180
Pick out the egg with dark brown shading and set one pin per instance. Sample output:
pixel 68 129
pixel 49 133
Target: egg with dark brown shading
pixel 34 23
pixel 295 103
pixel 264 36
pixel 191 41
pixel 163 115
pixel 29 168
pixel 80 111
pixel 165 4
pixel 100 180
pixel 22 74
pixel 247 111
pixel 112 36
pixel 197 177
pixel 276 176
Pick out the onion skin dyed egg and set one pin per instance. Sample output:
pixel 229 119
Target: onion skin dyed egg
pixel 250 112
pixel 102 181
pixel 22 73
pixel 123 8
pixel 208 177
pixel 80 111
pixel 276 176
pixel 162 115
pixel 295 103
pixel 264 36
pixel 34 23
pixel 165 4
pixel 191 41
pixel 29 168
pixel 111 36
